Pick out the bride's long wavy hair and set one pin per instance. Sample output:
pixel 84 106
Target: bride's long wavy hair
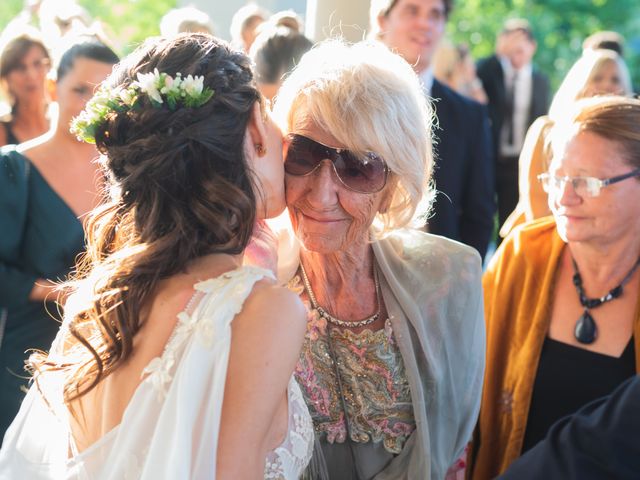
pixel 180 188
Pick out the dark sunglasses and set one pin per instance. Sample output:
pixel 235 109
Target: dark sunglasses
pixel 361 173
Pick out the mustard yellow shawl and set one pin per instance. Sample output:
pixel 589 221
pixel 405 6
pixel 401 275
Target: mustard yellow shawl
pixel 518 287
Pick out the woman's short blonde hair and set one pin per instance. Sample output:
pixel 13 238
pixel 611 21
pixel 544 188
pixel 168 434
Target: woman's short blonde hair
pixel 369 99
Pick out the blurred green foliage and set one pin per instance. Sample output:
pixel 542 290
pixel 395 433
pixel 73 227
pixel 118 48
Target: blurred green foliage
pixel 560 26
pixel 8 10
pixel 126 23
pixel 129 23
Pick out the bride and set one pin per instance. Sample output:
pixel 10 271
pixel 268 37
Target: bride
pixel 174 361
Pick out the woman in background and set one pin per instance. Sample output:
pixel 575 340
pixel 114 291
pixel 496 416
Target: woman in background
pixel 275 51
pixel 244 25
pixel 562 293
pixel 597 72
pixel 24 63
pixel 47 185
pixel 454 66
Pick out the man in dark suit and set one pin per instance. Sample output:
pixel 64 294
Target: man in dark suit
pixel 463 173
pixel 601 441
pixel 518 94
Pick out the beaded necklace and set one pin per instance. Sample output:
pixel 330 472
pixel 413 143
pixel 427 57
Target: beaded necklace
pixel 336 321
pixel 586 330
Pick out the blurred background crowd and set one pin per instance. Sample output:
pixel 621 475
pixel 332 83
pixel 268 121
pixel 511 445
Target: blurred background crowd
pixel 518 66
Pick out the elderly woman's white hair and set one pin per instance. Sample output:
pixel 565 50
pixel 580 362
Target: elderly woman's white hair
pixel 369 99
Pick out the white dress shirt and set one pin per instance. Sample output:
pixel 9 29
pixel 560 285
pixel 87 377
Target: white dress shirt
pixel 522 104
pixel 426 77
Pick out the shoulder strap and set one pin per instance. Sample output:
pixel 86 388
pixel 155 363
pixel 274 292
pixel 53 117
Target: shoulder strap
pixel 14 197
pixel 11 138
pixel 15 166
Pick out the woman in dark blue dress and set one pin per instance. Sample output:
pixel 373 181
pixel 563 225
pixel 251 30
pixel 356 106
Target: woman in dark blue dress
pixel 46 186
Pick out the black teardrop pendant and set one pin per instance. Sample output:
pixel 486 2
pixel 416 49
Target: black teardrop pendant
pixel 586 330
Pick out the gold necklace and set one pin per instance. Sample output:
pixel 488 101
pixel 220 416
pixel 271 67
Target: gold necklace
pixel 336 321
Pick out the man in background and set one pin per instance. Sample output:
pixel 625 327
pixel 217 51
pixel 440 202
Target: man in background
pixel 463 173
pixel 518 94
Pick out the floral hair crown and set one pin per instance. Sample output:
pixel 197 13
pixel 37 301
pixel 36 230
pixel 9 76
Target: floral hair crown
pixel 161 89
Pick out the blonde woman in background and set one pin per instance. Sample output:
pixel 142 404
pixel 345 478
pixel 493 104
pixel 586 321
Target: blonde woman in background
pixel 244 25
pixel 454 66
pixel 597 72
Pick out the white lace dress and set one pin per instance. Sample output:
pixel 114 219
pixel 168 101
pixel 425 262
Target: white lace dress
pixel 170 428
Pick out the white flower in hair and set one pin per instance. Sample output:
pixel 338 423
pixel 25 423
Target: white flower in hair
pixel 148 83
pixel 192 86
pixel 163 90
pixel 128 96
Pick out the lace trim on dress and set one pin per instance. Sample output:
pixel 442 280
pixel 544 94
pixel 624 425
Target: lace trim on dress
pixel 293 455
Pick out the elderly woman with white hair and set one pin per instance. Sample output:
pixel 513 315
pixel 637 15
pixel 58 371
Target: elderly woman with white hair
pixel 393 359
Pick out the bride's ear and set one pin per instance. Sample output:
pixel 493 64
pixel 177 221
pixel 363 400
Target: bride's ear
pixel 257 130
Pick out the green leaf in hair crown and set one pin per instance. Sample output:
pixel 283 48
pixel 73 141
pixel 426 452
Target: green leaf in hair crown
pixel 160 88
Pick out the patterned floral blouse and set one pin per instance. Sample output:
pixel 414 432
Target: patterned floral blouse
pixel 370 377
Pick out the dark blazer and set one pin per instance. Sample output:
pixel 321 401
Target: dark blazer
pixel 490 72
pixel 601 441
pixel 463 173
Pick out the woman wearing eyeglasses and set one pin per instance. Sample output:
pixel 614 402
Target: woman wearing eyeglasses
pixel 392 363
pixel 561 295
pixel 596 72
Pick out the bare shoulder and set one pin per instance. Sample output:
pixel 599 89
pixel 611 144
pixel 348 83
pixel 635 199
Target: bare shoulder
pixel 275 311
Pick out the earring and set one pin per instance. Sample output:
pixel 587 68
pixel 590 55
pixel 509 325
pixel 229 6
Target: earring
pixel 260 149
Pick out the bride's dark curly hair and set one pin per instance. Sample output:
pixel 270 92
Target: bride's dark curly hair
pixel 180 188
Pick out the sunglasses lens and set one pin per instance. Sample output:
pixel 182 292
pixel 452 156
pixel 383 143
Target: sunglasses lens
pixel 301 158
pixel 367 174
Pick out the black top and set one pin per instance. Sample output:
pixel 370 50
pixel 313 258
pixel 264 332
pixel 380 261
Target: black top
pixel 11 137
pixel 599 442
pixel 568 378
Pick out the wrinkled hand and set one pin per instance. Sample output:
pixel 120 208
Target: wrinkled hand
pixel 262 250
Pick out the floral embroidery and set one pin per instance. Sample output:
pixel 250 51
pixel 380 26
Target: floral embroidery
pixel 375 390
pixel 159 371
pixel 231 285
